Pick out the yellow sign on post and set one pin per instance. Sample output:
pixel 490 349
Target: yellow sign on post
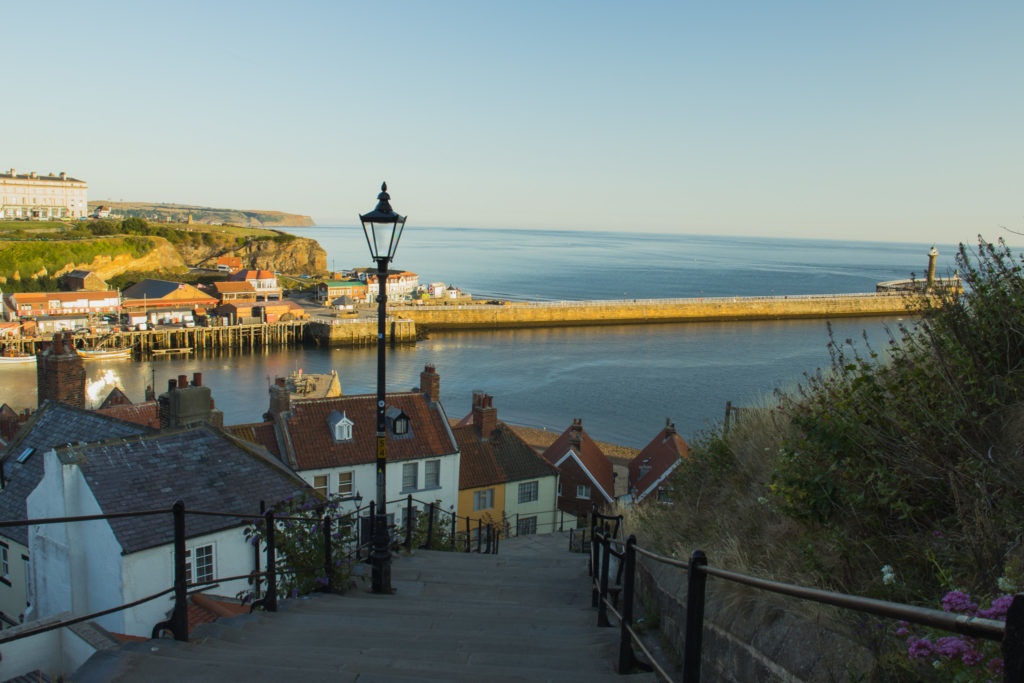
pixel 381 448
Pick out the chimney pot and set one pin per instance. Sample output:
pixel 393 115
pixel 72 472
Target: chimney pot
pixel 279 381
pixel 182 381
pixel 171 385
pixel 197 379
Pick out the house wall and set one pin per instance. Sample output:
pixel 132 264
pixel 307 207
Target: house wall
pixel 545 508
pixel 572 475
pixel 13 587
pixel 152 570
pixel 53 652
pixel 489 515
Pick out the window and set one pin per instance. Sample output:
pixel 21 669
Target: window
pixel 320 483
pixel 5 565
pixel 199 564
pixel 483 500
pixel 410 476
pixel 528 492
pixel 526 526
pixel 583 491
pixel 432 474
pixel 345 483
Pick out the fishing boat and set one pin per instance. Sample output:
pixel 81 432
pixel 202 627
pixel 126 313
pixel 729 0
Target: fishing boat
pixel 13 358
pixel 104 354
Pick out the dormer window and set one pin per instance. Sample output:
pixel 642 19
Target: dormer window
pixel 399 422
pixel 340 425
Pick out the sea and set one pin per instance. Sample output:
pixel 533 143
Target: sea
pixel 622 381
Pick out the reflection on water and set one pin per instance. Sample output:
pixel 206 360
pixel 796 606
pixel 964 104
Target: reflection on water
pixel 623 381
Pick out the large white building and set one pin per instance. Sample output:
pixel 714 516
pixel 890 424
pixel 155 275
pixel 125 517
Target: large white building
pixel 42 197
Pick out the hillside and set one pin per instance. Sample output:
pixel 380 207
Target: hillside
pixel 179 213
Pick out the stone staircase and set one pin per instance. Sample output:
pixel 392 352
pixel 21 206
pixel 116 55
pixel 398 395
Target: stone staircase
pixel 522 615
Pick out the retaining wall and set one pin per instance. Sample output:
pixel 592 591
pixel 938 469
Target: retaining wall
pixel 359 332
pixel 746 636
pixel 569 313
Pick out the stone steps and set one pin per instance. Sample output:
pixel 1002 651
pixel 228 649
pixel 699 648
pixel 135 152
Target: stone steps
pixel 522 615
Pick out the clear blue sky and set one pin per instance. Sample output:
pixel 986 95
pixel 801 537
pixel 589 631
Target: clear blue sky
pixel 866 120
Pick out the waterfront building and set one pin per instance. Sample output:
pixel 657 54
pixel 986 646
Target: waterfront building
pixel 84 280
pixel 29 305
pixel 227 290
pixel 650 469
pixel 329 290
pixel 263 281
pixel 42 197
pixel 502 480
pixel 162 299
pixel 586 476
pixel 398 284
pixel 248 311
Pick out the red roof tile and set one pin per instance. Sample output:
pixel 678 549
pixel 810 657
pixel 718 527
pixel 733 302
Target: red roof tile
pixel 147 413
pixel 477 465
pixel 259 433
pixel 314 446
pixel 661 455
pixel 589 454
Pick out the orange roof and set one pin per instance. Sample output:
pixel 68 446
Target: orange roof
pixel 30 297
pixel 259 433
pixel 147 413
pixel 231 286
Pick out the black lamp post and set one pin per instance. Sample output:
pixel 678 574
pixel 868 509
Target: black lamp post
pixel 383 228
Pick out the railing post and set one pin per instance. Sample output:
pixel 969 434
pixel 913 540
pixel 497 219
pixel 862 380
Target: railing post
pixel 627 660
pixel 497 537
pixel 1013 641
pixel 561 520
pixel 454 529
pixel 408 523
pixel 373 523
pixel 270 602
pixel 696 581
pixel 517 524
pixel 257 591
pixel 430 527
pixel 602 604
pixel 468 535
pixel 328 569
pixel 179 618
pixel 479 533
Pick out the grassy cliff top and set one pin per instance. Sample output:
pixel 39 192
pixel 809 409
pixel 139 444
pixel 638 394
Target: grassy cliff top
pixel 180 213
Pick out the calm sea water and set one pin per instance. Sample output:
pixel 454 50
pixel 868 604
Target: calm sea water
pixel 623 381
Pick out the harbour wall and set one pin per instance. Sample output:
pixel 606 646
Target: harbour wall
pixel 616 312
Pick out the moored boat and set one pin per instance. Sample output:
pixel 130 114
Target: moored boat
pixel 104 354
pixel 13 358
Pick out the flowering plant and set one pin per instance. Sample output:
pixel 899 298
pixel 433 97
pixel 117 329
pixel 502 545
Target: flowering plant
pixel 299 544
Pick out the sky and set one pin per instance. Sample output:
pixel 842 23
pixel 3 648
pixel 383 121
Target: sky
pixel 895 121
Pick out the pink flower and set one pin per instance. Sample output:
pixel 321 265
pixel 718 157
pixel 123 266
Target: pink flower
pixel 958 601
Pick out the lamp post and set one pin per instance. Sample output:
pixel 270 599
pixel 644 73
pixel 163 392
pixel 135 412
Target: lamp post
pixel 382 228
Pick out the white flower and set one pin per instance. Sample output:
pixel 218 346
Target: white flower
pixel 888 575
pixel 1005 585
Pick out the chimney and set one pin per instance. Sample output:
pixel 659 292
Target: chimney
pixel 185 405
pixel 197 379
pixel 576 433
pixel 63 175
pixel 280 397
pixel 150 393
pixel 430 383
pixel 60 373
pixel 13 173
pixel 670 428
pixel 485 415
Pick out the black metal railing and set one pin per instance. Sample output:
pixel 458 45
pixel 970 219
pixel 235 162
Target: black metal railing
pixel 447 527
pixel 606 596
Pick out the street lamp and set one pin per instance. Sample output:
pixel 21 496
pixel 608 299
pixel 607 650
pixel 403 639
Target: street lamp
pixel 383 228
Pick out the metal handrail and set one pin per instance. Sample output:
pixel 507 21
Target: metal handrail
pixel 698 570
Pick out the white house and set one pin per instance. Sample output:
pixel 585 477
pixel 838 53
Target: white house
pixel 331 443
pixel 85 567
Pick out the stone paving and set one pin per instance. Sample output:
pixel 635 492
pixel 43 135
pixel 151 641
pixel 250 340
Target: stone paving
pixel 521 615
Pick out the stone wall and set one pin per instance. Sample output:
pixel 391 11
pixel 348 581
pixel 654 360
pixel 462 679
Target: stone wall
pixel 512 315
pixel 362 332
pixel 748 634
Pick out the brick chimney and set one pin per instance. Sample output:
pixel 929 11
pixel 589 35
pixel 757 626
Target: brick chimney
pixel 670 427
pixel 485 415
pixel 576 433
pixel 430 383
pixel 60 373
pixel 280 397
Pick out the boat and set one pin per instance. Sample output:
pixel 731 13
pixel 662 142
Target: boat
pixel 104 354
pixel 13 357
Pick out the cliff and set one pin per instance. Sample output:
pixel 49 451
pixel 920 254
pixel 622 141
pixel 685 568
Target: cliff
pixel 292 255
pixel 179 213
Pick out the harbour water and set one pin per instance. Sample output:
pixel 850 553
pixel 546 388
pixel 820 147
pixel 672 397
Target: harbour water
pixel 623 381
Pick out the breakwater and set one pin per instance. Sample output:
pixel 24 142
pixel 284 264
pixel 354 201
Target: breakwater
pixel 620 312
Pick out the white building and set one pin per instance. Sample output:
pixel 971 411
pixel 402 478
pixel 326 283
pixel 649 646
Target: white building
pixel 42 197
pixel 398 284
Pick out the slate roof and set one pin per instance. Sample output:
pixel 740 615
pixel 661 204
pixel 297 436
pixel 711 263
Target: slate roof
pixel 590 456
pixel 203 466
pixel 156 290
pixel 313 446
pixel 55 424
pixel 662 454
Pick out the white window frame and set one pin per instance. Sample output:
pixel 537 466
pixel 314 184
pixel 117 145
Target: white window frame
pixel 407 468
pixel 191 571
pixel 530 523
pixel 5 561
pixel 346 483
pixel 583 492
pixel 529 491
pixel 483 499
pixel 432 480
